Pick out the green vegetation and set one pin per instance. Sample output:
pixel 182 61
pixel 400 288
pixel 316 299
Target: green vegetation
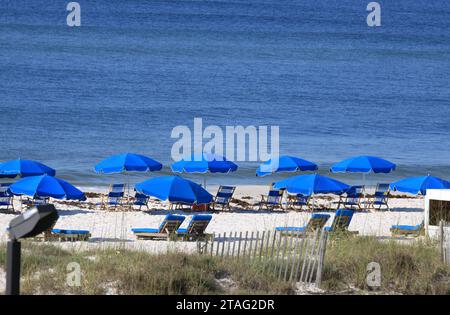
pixel 44 271
pixel 413 268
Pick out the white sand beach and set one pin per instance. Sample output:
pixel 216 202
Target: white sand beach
pixel 113 228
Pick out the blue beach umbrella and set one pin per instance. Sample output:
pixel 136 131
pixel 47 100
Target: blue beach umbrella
pixel 204 163
pixel 285 163
pixel 127 162
pixel 363 164
pixel 46 186
pixel 24 168
pixel 311 184
pixel 174 189
pixel 420 184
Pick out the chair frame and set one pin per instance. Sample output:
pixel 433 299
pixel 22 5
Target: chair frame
pixel 380 198
pixel 49 236
pixel 219 194
pixel 268 204
pixel 8 198
pixel 341 223
pixel 292 202
pixel 118 196
pixel 167 231
pixel 195 230
pixel 352 199
pixel 314 223
pixel 141 197
pixel 409 233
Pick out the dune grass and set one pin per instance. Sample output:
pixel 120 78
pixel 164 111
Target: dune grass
pixel 413 268
pixel 44 271
pixel 406 268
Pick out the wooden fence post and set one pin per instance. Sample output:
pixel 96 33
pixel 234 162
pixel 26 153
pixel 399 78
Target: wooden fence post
pixel 223 244
pixel 262 244
pixel 239 245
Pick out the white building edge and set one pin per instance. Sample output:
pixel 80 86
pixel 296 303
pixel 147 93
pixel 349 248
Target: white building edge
pixel 432 211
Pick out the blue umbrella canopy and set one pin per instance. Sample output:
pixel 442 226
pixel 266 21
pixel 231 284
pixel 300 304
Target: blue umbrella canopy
pixel 204 163
pixel 174 189
pixel 24 168
pixel 127 162
pixel 363 164
pixel 420 184
pixel 285 163
pixel 46 186
pixel 311 184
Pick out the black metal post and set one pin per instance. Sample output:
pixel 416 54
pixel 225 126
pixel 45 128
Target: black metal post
pixel 13 268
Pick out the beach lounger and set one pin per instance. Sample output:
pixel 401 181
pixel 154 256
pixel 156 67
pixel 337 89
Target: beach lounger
pixel 272 200
pixel 141 200
pixel 115 195
pixel 63 235
pixel 166 229
pixel 341 221
pixel 352 199
pixel 297 202
pixel 6 198
pixel 380 197
pixel 408 230
pixel 223 197
pixel 316 222
pixel 196 227
pixel 179 205
pixel 35 201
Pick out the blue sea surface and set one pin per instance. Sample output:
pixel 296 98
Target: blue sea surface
pixel 71 96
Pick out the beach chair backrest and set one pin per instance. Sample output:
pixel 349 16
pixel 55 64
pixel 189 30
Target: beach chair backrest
pixel 4 189
pixel 116 190
pixel 171 223
pixel 224 195
pixel 354 190
pixel 342 219
pixel 317 221
pixel 382 189
pixel 140 198
pixel 274 196
pixel 300 198
pixel 36 201
pixel 5 198
pixel 354 194
pixel 198 224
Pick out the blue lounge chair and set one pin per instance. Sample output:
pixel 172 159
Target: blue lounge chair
pixel 341 221
pixel 196 227
pixel 6 198
pixel 352 199
pixel 115 195
pixel 223 197
pixel 272 200
pixel 408 230
pixel 168 227
pixel 316 222
pixel 297 202
pixel 380 197
pixel 141 200
pixel 68 235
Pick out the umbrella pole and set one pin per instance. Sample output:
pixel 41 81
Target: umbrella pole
pixel 128 189
pixel 364 191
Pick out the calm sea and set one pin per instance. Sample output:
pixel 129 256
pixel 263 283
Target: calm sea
pixel 135 69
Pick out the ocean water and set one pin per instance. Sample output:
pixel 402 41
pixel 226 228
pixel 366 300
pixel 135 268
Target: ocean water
pixel 136 69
